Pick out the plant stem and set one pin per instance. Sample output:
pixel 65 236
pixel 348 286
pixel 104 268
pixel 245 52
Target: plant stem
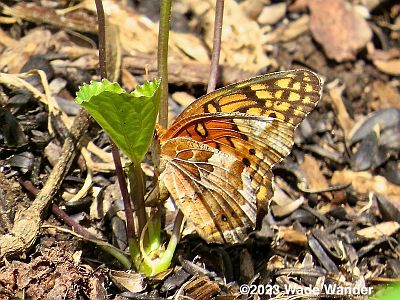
pixel 176 232
pixel 154 230
pixel 166 258
pixel 102 38
pixel 219 13
pixel 163 36
pixel 162 67
pixel 155 224
pixel 130 227
pixel 71 222
pixel 135 175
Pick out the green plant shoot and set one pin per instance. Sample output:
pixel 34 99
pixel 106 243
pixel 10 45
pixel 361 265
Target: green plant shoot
pixel 128 118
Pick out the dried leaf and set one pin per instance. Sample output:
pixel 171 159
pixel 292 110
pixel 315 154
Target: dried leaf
pixel 365 182
pixel 282 210
pixel 253 8
pixel 380 230
pixel 36 42
pixel 288 32
pixel 202 288
pixel 191 45
pixel 271 14
pixel 183 98
pixel 6 40
pixel 132 282
pixel 391 67
pixel 343 117
pixel 292 235
pixel 388 96
pixel 246 266
pixel 340 31
pixel 381 119
pixel 113 51
pixel 315 179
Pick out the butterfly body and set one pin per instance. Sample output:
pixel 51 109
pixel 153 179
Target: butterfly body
pixel 217 156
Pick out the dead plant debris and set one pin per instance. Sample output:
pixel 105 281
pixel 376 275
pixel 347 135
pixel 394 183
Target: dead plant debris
pixel 336 215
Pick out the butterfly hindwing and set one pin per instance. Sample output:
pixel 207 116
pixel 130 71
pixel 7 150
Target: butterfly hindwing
pixel 213 189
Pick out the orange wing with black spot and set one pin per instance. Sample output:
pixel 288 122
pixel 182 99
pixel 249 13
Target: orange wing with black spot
pixel 251 125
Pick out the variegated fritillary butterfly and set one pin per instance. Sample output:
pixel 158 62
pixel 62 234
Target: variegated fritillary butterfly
pixel 217 156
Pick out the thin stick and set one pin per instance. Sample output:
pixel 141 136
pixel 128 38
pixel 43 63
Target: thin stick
pixel 102 39
pixel 219 13
pixel 130 227
pixel 162 59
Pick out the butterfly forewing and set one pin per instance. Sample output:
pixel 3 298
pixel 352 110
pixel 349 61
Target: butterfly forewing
pixel 252 122
pixel 288 96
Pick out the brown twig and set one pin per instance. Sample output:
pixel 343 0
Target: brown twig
pixel 59 212
pixel 26 227
pixel 102 39
pixel 219 13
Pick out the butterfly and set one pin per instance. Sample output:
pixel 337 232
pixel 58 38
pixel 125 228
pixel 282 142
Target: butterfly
pixel 216 157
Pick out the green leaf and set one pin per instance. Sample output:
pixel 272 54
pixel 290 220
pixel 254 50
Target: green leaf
pixel 389 293
pixel 128 118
